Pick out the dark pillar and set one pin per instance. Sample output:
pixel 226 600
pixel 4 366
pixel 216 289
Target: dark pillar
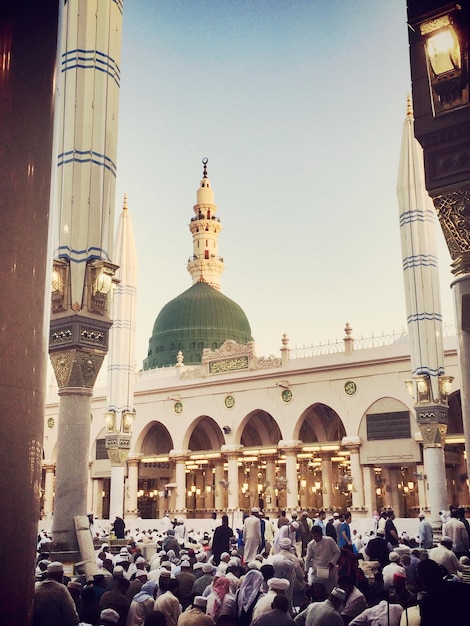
pixel 28 44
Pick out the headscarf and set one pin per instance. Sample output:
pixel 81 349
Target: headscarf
pixel 146 591
pixel 220 587
pixel 249 590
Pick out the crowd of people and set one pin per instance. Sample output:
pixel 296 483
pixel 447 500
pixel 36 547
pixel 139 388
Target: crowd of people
pixel 297 569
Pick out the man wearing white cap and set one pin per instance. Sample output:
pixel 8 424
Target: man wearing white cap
pixel 195 615
pixel 394 567
pixel 326 613
pixel 251 535
pixel 444 556
pixel 275 586
pixel 108 617
pixel 52 604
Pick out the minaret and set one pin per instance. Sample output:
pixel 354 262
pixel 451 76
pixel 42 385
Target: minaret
pixel 121 360
pixel 88 102
pixel 205 265
pixel 429 386
pixel 28 54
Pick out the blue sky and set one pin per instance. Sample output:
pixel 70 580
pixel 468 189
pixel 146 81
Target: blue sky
pixel 299 107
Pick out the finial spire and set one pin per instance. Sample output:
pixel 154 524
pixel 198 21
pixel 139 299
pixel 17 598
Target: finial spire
pixel 409 106
pixel 124 206
pixel 205 160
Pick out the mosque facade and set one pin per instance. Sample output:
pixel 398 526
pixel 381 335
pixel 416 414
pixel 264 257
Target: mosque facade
pixel 217 427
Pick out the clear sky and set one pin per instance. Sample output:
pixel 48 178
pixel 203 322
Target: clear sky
pixel 299 106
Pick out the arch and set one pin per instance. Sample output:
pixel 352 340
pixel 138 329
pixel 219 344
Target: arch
pixel 455 425
pixel 259 428
pixel 155 439
pixel 319 422
pixel 203 434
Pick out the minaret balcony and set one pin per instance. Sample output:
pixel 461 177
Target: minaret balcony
pixel 201 257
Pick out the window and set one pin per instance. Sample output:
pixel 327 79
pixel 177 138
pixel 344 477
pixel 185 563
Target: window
pixel 101 452
pixel 388 425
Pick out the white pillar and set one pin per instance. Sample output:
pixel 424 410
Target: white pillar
pixel 97 506
pixel 393 495
pixel 270 504
pixel 357 479
pixel 232 460
pixel 253 486
pixel 89 491
pixel 422 486
pixel 327 480
pixel 387 488
pixel 219 488
pixel 370 495
pixel 292 482
pixel 48 490
pixel 180 475
pixel 132 487
pixel 116 496
pixel 433 463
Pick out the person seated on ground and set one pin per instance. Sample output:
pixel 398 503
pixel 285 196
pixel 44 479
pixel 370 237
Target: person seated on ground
pixel 90 609
pixel 221 600
pixel 443 602
pixel 394 567
pixel 108 617
pixel 116 599
pixel 247 596
pixel 157 618
pixel 377 549
pixel 355 601
pixel 316 592
pixel 168 603
pixel 195 615
pixel 326 613
pixel 276 586
pixel 52 602
pixel 444 556
pixel 385 612
pixel 142 604
pixel 277 616
pixel 399 593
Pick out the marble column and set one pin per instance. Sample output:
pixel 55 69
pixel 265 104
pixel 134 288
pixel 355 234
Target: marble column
pixel 303 486
pixel 89 490
pixel 200 500
pixel 132 487
pixel 387 487
pixel 253 485
pixel 392 477
pixel 327 481
pixel 28 44
pixel 422 486
pixel 232 459
pixel 434 460
pixel 292 481
pixel 219 486
pixel 370 495
pixel 270 504
pixel 71 485
pixel 180 480
pixel 452 210
pixel 48 490
pixel 97 494
pixel 358 501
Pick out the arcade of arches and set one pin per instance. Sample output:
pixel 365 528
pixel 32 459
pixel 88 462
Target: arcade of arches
pixel 320 468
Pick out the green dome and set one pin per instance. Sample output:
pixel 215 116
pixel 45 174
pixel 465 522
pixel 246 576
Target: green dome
pixel 199 318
